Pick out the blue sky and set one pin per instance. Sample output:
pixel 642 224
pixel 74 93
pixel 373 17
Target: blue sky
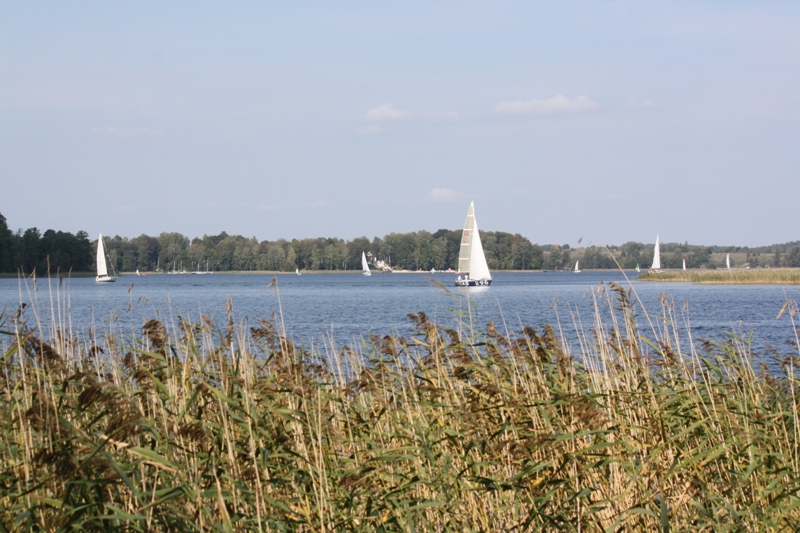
pixel 607 121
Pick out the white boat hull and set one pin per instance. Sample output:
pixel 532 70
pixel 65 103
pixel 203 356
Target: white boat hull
pixel 473 282
pixel 105 279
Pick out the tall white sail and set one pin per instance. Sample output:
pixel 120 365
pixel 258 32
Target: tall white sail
pixel 728 261
pixel 365 265
pixel 465 252
pixel 684 264
pixel 471 259
pixel 478 268
pixel 102 269
pixel 656 256
pixel 577 269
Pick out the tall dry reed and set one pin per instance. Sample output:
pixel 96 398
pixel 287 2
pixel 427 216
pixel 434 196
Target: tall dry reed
pixel 217 427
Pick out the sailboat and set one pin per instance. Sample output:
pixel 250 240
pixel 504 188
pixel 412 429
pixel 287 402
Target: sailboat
pixel 684 264
pixel 576 268
pixel 471 259
pixel 297 271
pixel 728 261
pixel 656 257
pixel 102 269
pixel 365 265
pixel 637 267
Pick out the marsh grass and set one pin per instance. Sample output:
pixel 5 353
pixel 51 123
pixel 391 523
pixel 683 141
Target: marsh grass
pixel 219 427
pixel 767 276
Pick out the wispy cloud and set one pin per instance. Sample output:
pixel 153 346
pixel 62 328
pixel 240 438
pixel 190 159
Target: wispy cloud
pixel 556 104
pixel 126 133
pixel 385 112
pixel 441 194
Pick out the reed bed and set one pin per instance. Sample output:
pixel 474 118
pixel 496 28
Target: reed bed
pixel 207 427
pixel 767 276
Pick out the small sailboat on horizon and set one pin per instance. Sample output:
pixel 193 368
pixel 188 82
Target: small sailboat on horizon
pixel 728 261
pixel 472 266
pixel 576 267
pixel 102 268
pixel 365 265
pixel 684 264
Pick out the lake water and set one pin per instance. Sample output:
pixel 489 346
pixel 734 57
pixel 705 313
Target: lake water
pixel 318 308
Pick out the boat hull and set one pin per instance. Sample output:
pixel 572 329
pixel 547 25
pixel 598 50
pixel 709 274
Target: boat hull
pixel 105 279
pixel 473 282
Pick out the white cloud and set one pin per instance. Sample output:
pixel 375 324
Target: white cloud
pixel 385 112
pixel 441 194
pixel 556 104
pixel 127 133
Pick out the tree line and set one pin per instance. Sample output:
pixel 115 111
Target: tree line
pixel 420 250
pixel 30 250
pixel 54 251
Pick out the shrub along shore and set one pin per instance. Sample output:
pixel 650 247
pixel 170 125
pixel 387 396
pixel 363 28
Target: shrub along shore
pixel 219 427
pixel 769 276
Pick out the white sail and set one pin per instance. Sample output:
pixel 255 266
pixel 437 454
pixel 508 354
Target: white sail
pixel 576 267
pixel 102 269
pixel 365 265
pixel 471 259
pixel 656 257
pixel 684 264
pixel 728 261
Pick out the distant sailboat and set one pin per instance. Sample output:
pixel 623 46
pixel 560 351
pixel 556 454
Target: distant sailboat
pixel 471 259
pixel 206 271
pixel 297 271
pixel 684 264
pixel 656 257
pixel 102 269
pixel 576 267
pixel 728 261
pixel 637 267
pixel 365 265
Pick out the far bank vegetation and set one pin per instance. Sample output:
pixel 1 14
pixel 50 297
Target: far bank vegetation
pixel 31 250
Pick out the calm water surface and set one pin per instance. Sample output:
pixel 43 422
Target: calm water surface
pixel 324 307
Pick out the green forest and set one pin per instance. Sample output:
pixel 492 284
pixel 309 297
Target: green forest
pixel 57 251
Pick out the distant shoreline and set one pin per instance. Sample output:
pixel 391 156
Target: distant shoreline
pixel 767 276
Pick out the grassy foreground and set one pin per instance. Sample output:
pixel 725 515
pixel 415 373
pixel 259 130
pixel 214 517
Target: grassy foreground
pixel 769 276
pixel 195 427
